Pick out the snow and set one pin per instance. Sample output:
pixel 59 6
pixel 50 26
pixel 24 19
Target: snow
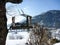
pixel 56 34
pixel 22 37
pixel 14 38
pixel 56 44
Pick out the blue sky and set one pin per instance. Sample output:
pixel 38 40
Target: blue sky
pixel 36 7
pixel 33 7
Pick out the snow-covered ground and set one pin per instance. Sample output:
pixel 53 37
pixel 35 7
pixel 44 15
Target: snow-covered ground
pixel 19 38
pixel 56 34
pixel 56 44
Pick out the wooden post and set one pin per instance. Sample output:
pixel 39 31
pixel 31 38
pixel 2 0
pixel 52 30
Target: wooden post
pixel 13 21
pixel 28 21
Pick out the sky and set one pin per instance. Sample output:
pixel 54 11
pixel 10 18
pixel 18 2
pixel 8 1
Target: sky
pixel 30 7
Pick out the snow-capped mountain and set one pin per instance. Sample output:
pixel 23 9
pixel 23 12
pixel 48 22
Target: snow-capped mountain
pixel 50 18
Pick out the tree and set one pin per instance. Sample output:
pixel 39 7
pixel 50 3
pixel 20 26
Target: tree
pixel 39 35
pixel 3 20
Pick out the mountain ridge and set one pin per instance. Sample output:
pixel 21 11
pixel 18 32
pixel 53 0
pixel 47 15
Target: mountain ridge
pixel 50 18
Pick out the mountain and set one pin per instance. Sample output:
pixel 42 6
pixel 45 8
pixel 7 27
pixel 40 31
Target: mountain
pixel 50 18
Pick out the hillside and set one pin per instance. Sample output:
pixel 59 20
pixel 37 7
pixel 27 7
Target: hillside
pixel 50 18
